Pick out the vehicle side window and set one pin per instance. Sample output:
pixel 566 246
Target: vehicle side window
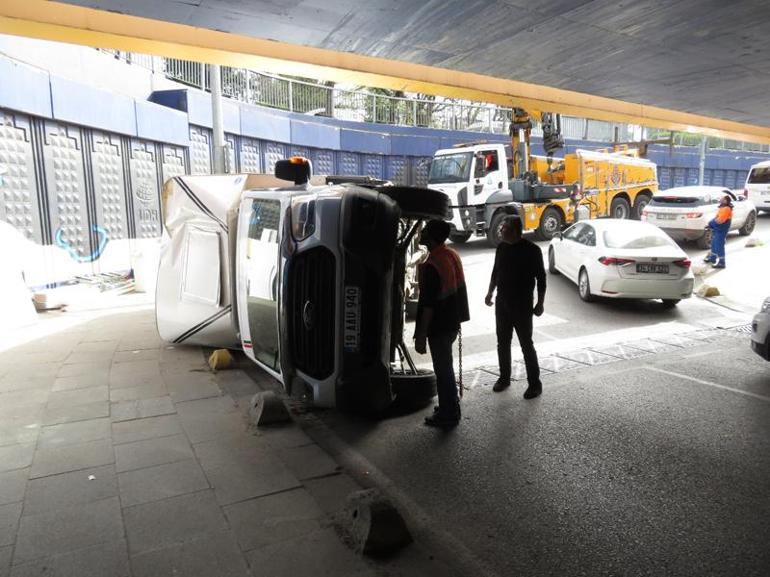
pixel 262 270
pixel 572 232
pixel 486 162
pixel 587 236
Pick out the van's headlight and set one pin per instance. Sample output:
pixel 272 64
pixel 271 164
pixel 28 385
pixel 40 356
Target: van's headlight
pixel 766 305
pixel 302 217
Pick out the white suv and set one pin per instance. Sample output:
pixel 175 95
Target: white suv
pixel 684 212
pixel 760 331
pixel 757 185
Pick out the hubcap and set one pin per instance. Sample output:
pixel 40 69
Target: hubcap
pixel 583 284
pixel 550 224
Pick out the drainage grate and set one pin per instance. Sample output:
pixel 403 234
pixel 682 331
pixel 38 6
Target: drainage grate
pixel 743 329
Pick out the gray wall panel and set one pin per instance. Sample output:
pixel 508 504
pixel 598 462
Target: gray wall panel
pixel 200 150
pixel 65 184
pixel 173 161
pixel 250 155
pixel 144 186
pixel 18 188
pixel 109 185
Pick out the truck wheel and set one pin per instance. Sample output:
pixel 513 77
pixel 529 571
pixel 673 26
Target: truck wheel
pixel 416 202
pixel 704 242
pixel 748 226
pixel 550 223
pixel 459 237
pixel 620 208
pixel 642 200
pixel 414 389
pixel 493 232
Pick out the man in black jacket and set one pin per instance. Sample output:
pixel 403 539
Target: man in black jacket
pixel 518 266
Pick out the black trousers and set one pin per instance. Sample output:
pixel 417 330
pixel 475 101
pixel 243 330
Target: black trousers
pixel 517 317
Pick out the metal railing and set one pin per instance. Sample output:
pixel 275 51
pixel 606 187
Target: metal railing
pixel 364 106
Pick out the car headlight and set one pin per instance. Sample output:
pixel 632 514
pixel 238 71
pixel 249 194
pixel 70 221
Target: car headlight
pixel 766 305
pixel 302 217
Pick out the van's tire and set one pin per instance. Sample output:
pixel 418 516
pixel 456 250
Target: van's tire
pixel 748 226
pixel 493 232
pixel 551 222
pixel 414 389
pixel 552 262
pixel 642 200
pixel 417 202
pixel 704 242
pixel 620 208
pixel 459 237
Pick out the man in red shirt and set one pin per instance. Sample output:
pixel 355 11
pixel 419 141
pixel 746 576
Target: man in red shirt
pixel 442 306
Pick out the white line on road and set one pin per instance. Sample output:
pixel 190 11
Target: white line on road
pixel 710 384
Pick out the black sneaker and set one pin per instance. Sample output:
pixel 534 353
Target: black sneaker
pixel 533 392
pixel 441 421
pixel 501 385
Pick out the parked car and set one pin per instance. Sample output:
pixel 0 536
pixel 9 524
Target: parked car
pixel 307 278
pixel 684 212
pixel 618 258
pixel 760 331
pixel 757 185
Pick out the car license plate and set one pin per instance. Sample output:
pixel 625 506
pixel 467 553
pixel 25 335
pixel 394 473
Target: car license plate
pixel 652 267
pixel 352 319
pixel 666 217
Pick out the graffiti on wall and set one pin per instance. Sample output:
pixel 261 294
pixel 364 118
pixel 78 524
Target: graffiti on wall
pixel 104 238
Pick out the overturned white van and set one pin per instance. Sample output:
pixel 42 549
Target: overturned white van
pixel 307 279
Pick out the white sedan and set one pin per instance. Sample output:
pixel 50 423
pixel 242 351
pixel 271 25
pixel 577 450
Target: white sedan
pixel 621 259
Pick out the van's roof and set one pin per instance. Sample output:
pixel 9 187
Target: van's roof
pixel 763 164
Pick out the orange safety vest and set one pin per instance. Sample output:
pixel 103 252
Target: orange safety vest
pixel 450 270
pixel 724 214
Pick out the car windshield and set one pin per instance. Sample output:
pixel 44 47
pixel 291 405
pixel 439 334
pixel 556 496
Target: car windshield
pixel 675 200
pixel 450 168
pixel 759 176
pixel 632 237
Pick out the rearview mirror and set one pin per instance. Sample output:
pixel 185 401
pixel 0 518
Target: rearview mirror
pixel 558 235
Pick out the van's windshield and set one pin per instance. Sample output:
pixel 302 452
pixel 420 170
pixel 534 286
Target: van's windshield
pixel 759 175
pixel 450 168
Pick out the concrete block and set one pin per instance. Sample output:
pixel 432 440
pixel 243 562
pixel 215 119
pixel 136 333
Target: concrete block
pixel 754 242
pixel 220 359
pixel 375 526
pixel 267 409
pixel 708 291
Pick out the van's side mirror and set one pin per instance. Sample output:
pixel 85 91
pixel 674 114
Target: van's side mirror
pixel 558 235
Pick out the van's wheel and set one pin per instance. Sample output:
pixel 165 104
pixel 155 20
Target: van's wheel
pixel 459 237
pixel 584 286
pixel 416 202
pixel 552 262
pixel 748 226
pixel 620 208
pixel 414 389
pixel 493 232
pixel 551 222
pixel 642 200
pixel 704 242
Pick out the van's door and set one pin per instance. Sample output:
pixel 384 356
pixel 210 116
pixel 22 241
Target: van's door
pixel 258 278
pixel 487 177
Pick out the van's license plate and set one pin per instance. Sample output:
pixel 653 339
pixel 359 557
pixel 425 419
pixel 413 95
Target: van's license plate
pixel 653 268
pixel 352 319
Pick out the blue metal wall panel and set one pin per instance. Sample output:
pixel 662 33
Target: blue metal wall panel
pixel 257 123
pixel 156 122
pixel 88 106
pixel 664 177
pixel 348 163
pixel 718 177
pixel 680 176
pixel 315 135
pixel 299 151
pixel 396 169
pixel 692 176
pixel 414 145
pixel 200 150
pixel 251 156
pixel 374 165
pixel 361 141
pixel 323 161
pixel 25 89
pixel 273 152
pixel 420 170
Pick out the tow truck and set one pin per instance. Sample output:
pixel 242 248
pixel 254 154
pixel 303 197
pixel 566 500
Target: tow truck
pixel 484 183
pixel 306 278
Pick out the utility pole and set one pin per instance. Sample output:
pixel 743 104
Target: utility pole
pixel 216 116
pixel 702 163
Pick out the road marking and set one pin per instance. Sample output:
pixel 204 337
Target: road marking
pixel 710 384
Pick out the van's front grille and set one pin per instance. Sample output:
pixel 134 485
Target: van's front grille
pixel 311 306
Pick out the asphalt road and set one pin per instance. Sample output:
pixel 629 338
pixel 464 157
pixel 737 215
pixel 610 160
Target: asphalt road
pixel 653 465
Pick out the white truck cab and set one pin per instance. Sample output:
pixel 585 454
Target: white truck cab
pixel 757 187
pixel 307 279
pixel 468 175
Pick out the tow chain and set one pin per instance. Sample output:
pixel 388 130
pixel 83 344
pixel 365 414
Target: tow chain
pixel 460 356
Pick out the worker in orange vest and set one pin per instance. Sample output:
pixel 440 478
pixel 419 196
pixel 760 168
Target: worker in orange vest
pixel 720 226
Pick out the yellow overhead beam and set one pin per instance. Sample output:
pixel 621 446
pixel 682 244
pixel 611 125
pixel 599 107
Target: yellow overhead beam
pixel 73 24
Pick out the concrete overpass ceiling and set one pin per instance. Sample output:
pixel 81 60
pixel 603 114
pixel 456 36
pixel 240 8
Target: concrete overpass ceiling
pixel 707 57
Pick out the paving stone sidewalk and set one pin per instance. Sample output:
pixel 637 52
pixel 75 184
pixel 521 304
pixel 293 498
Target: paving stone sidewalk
pixel 121 455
